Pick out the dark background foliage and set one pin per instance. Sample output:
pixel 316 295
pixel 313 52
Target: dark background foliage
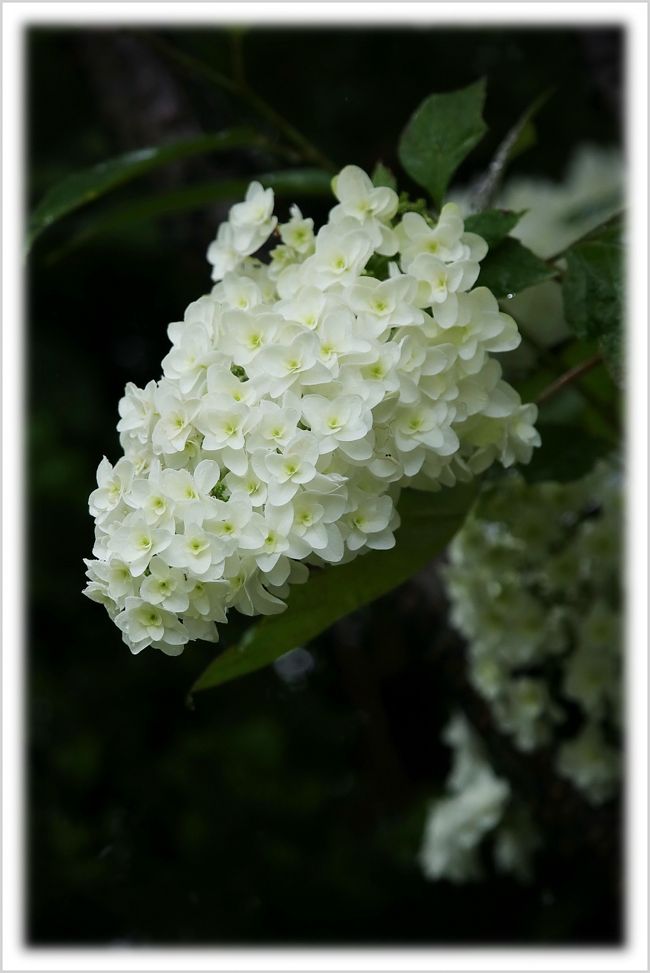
pixel 287 807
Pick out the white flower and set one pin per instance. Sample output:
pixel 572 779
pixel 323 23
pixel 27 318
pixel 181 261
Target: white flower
pixel 383 304
pixel 136 542
pixel 144 624
pixel 315 518
pixel 285 472
pixel 275 540
pixel 371 524
pixel 221 380
pixel 190 492
pixel 341 341
pixel 305 308
pixel 165 586
pixel 238 291
pixel 137 411
pixel 423 423
pixel 148 496
pixel 207 603
pixel 188 361
pixel 110 581
pixel 358 197
pixel 446 240
pixel 112 484
pixel 474 805
pixel 174 427
pixel 299 396
pixel 248 485
pixel 245 333
pixel 298 233
pixel 221 420
pixel 248 593
pixel 252 221
pixel 343 422
pixel 342 251
pixel 289 363
pixel 201 552
pixel 222 252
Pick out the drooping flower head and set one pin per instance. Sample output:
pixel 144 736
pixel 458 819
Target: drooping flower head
pixel 298 398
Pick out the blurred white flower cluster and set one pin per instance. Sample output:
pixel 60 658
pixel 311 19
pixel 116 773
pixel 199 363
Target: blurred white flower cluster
pixel 558 213
pixel 477 806
pixel 555 215
pixel 297 399
pixel 535 589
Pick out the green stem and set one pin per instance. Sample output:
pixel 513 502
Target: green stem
pixel 241 89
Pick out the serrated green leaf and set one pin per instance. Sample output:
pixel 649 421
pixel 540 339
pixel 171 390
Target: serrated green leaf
pixel 567 453
pixel 382 176
pixel 592 289
pixel 493 225
pixel 429 521
pixel 90 184
pixel 441 133
pixel 290 182
pixel 511 267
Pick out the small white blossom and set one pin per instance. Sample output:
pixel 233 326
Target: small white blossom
pixel 252 221
pixel 298 233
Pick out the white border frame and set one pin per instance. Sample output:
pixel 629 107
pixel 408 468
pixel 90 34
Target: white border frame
pixel 17 16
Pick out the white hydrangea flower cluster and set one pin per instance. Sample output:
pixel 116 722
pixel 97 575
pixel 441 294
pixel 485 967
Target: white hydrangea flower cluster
pixel 477 806
pixel 297 400
pixel 535 589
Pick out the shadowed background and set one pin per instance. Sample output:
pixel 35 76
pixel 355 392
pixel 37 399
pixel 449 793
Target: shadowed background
pixel 287 807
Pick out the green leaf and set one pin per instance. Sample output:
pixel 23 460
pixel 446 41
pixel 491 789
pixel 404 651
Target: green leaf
pixel 429 521
pixel 510 268
pixel 567 453
pixel 88 185
pixel 493 224
pixel 382 176
pixel 292 182
pixel 611 348
pixel 441 133
pixel 592 289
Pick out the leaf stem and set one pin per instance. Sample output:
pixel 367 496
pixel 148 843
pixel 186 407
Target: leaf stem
pixel 571 375
pixel 593 401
